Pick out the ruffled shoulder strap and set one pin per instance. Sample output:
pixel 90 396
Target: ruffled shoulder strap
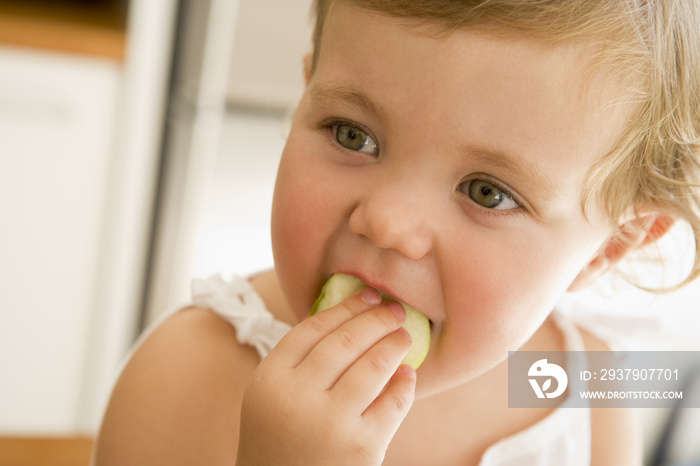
pixel 237 302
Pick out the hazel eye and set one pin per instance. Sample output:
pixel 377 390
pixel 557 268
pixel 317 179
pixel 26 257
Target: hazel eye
pixel 354 139
pixel 490 196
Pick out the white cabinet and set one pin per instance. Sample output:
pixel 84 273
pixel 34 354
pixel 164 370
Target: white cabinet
pixel 79 149
pixel 56 128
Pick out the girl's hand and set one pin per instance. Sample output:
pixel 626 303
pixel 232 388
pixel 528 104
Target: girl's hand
pixel 330 392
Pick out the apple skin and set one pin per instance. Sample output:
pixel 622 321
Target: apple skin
pixel 340 286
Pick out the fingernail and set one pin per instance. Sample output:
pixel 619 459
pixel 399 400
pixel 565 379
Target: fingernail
pixel 397 309
pixel 408 371
pixel 404 333
pixel 370 296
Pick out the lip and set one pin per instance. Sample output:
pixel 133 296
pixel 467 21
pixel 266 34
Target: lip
pixel 376 284
pixel 380 286
pixel 369 281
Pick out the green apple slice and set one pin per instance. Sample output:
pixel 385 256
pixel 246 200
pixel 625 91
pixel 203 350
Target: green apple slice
pixel 340 286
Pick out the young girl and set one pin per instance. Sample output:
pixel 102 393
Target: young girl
pixel 475 160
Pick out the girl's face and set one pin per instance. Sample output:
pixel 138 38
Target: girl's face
pixel 447 171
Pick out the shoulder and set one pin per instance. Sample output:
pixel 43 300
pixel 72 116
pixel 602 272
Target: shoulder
pixel 616 436
pixel 178 398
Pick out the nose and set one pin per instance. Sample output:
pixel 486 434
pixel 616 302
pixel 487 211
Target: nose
pixel 392 219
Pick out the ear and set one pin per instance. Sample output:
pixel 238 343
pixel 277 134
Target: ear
pixel 308 59
pixel 630 236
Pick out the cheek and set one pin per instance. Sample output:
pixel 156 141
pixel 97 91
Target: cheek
pixel 505 292
pixel 300 227
pixel 291 208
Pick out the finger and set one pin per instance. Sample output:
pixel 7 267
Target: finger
pixel 342 348
pixel 385 414
pixel 364 381
pixel 301 339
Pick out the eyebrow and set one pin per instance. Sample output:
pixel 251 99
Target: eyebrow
pixel 321 94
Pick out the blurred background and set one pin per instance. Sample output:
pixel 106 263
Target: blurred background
pixel 140 140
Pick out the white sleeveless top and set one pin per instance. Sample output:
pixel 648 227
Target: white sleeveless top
pixel 561 439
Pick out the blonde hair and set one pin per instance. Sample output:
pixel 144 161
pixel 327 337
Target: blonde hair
pixel 655 163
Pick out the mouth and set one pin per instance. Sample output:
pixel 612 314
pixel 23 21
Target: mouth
pixel 372 283
pixel 377 286
pixel 383 288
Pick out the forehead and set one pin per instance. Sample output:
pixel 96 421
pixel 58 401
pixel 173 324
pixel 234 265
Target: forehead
pixel 364 43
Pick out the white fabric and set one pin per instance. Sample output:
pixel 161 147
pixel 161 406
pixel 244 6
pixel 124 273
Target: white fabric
pixel 237 302
pixel 563 438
